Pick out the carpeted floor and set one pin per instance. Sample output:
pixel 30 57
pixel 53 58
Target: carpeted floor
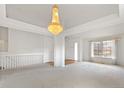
pixel 80 74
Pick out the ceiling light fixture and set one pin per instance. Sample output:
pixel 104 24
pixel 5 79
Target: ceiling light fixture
pixel 55 27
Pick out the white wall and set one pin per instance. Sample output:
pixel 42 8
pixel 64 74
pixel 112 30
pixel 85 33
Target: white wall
pixel 22 42
pixel 86 50
pixel 48 48
pixel 69 47
pixel 116 31
pixel 3 39
pixel 120 53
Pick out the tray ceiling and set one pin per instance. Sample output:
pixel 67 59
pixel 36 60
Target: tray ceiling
pixel 70 14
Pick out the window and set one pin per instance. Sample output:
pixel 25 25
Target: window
pixel 103 49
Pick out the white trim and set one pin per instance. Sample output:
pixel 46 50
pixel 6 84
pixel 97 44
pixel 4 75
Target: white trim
pixel 109 20
pixel 15 24
pixel 113 55
pixel 19 60
pixel 20 54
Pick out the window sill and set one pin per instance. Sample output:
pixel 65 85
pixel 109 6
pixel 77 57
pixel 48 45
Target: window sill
pixel 103 57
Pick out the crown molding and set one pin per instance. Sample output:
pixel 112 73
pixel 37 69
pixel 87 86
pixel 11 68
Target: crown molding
pixel 106 21
pixel 110 20
pixel 15 24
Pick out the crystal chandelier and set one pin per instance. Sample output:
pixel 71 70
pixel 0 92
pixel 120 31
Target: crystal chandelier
pixel 55 27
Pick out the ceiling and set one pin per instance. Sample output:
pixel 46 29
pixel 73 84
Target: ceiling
pixel 70 14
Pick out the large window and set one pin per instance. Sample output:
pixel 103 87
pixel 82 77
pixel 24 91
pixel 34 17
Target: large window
pixel 103 49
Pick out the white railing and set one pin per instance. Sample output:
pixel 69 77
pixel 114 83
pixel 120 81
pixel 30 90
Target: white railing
pixel 19 60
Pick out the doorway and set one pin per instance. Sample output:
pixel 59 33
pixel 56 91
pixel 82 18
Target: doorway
pixel 76 51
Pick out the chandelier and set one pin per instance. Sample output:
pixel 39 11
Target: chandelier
pixel 55 27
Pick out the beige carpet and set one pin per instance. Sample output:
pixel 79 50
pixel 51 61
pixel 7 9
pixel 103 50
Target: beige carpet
pixel 75 75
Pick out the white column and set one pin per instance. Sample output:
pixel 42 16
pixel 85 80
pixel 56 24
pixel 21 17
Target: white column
pixel 59 51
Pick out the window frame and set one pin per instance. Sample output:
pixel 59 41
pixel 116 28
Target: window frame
pixel 113 50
